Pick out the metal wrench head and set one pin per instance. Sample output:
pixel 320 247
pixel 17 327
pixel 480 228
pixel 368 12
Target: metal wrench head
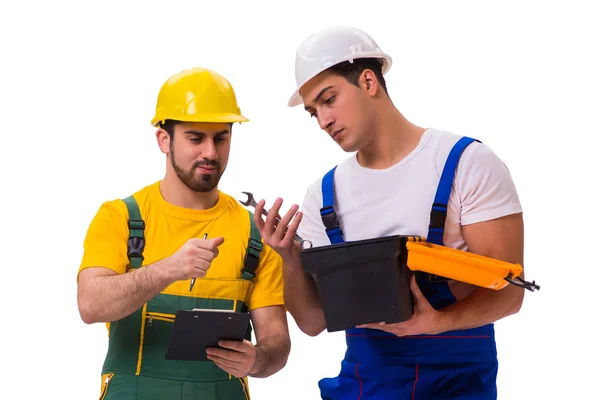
pixel 249 201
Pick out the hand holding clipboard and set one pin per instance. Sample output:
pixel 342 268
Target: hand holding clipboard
pixel 194 331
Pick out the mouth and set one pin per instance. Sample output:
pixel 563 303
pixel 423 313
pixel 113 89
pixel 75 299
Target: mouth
pixel 207 170
pixel 336 133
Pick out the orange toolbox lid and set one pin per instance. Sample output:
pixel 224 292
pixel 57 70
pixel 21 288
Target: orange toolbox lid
pixel 462 266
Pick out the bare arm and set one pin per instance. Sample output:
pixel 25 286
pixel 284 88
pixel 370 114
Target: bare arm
pixel 302 298
pixel 300 293
pixel 272 341
pixel 104 296
pixel 502 239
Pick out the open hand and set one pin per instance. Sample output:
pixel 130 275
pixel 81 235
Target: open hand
pixel 281 237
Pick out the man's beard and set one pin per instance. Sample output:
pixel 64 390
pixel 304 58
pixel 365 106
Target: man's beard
pixel 204 183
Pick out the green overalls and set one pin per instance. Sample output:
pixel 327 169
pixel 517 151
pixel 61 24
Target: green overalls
pixel 135 367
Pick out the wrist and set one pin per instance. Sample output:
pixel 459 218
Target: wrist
pixel 293 260
pixel 446 320
pixel 161 272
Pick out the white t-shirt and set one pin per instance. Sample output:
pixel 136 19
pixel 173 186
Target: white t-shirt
pixel 397 201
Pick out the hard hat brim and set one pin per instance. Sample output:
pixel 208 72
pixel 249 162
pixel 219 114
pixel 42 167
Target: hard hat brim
pixel 212 117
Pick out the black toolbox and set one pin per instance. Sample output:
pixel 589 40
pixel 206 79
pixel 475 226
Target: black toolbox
pixel 360 282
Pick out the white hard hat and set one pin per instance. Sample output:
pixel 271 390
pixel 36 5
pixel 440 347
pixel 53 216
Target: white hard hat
pixel 329 47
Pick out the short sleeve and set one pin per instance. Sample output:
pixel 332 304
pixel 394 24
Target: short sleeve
pixel 268 282
pixel 311 227
pixel 485 186
pixel 105 243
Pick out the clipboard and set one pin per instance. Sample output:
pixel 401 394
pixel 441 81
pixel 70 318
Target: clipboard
pixel 195 330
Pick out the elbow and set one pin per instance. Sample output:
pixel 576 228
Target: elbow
pixel 87 316
pixel 311 323
pixel 518 305
pixel 88 320
pixel 86 311
pixel 312 332
pixel 311 329
pixel 518 301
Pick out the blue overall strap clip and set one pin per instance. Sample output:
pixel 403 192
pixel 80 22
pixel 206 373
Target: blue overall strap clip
pixel 328 215
pixel 440 204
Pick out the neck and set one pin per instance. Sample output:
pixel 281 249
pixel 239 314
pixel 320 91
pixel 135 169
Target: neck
pixel 178 194
pixel 393 138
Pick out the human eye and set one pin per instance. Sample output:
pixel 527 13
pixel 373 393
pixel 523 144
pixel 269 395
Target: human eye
pixel 329 100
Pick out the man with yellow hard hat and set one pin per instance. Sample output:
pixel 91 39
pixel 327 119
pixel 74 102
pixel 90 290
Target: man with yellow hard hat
pixel 142 253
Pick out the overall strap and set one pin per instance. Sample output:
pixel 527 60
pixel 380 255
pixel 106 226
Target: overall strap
pixel 253 250
pixel 136 241
pixel 440 204
pixel 328 215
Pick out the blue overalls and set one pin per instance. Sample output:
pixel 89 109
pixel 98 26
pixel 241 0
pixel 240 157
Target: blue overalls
pixel 380 366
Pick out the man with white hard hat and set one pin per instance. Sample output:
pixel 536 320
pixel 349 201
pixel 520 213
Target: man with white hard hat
pixel 401 179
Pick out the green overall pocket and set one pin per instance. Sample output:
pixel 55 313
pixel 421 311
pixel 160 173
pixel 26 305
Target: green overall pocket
pixel 105 382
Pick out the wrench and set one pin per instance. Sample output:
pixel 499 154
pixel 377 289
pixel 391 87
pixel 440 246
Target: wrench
pixel 252 203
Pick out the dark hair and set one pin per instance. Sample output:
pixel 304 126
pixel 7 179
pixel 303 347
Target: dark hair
pixel 169 126
pixel 352 70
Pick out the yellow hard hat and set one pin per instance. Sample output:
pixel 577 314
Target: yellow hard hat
pixel 197 95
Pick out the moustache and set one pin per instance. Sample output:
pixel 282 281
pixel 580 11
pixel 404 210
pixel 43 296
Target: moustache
pixel 207 163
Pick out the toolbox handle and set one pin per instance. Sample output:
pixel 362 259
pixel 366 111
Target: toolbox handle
pixel 520 282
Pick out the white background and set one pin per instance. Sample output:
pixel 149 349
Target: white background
pixel 78 88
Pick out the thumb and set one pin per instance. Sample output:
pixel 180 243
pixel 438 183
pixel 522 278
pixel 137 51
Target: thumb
pixel 218 240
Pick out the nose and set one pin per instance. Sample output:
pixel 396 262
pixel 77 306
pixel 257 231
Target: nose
pixel 208 150
pixel 325 119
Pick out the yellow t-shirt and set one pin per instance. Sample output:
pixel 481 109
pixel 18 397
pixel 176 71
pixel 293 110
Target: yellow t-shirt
pixel 168 227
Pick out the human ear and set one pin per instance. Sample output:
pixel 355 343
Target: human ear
pixel 369 82
pixel 164 140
